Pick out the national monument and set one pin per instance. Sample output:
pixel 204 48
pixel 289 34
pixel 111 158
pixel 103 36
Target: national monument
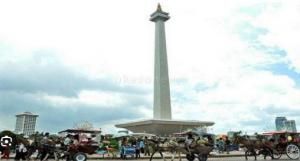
pixel 162 123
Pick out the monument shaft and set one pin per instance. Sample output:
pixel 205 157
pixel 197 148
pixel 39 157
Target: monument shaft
pixel 162 103
pixel 162 123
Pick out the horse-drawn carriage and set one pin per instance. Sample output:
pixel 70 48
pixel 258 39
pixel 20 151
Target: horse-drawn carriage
pixel 284 143
pixel 86 146
pixel 196 149
pixel 79 152
pixel 57 151
pixel 271 145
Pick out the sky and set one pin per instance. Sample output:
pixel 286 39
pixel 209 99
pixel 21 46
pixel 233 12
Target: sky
pixel 235 62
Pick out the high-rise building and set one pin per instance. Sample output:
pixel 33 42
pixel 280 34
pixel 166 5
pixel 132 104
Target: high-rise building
pixel 25 123
pixel 280 123
pixel 290 125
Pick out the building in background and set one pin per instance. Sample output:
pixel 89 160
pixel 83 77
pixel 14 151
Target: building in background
pixel 230 134
pixel 25 123
pixel 290 125
pixel 282 124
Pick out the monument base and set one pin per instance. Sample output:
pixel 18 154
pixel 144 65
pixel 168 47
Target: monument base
pixel 163 127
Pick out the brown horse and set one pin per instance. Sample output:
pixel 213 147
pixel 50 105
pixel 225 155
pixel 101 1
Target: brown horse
pixel 194 151
pixel 162 146
pixel 253 147
pixel 200 151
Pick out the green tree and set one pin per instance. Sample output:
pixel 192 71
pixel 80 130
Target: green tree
pixel 114 143
pixel 7 133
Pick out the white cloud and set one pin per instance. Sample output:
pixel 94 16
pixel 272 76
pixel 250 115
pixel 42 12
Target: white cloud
pixel 283 25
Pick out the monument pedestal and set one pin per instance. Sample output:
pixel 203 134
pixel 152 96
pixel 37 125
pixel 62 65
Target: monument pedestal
pixel 163 127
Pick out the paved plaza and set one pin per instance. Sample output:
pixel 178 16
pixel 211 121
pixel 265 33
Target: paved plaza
pixel 209 159
pixel 220 159
pixel 233 156
pixel 214 159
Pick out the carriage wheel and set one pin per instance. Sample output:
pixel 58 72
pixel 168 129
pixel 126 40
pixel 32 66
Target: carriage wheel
pixel 190 157
pixel 250 155
pixel 80 157
pixel 292 151
pixel 276 154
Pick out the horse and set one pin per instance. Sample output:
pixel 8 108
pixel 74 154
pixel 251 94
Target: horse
pixel 199 151
pixel 45 151
pixel 162 146
pixel 195 150
pixel 252 146
pixel 32 148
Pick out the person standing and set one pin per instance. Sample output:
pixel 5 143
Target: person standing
pixel 142 146
pixel 21 152
pixel 227 145
pixel 123 146
pixel 119 144
pixel 221 145
pixel 6 152
pixel 137 149
pixel 210 140
pixel 146 147
pixel 218 145
pixel 45 146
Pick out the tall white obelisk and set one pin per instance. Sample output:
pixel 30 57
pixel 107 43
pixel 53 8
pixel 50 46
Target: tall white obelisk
pixel 162 123
pixel 162 103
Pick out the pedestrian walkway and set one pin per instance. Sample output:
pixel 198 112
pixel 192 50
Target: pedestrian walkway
pixel 231 154
pixel 212 155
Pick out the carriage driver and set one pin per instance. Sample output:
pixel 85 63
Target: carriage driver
pixel 188 142
pixel 282 141
pixel 45 144
pixel 67 140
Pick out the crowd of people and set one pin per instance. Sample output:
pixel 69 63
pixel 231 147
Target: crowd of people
pixel 139 145
pixel 223 145
pixel 25 147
